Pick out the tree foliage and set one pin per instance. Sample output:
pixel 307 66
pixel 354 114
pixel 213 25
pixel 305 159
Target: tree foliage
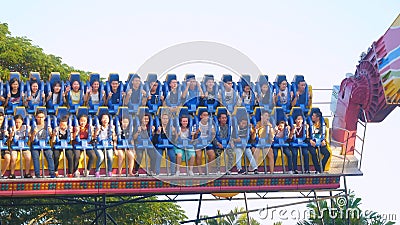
pixel 43 211
pixel 18 54
pixel 234 217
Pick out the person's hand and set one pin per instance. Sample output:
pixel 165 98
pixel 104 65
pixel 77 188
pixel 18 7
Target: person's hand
pixel 67 89
pixel 129 92
pixel 9 95
pixel 323 143
pixel 29 98
pixel 144 93
pixel 312 143
pixel 124 93
pixel 159 130
pixel 110 94
pixel 219 145
pixel 43 96
pixel 50 94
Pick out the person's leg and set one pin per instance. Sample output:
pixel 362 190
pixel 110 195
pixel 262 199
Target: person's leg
pixel 178 162
pixel 6 162
pixel 77 157
pixel 275 152
pixel 110 161
pixel 172 160
pixel 211 160
pixel 270 155
pixel 100 158
pixel 238 153
pixel 230 156
pixel 251 159
pixel 256 155
pixel 36 163
pixel 199 156
pixel 306 160
pixel 158 160
pixel 139 156
pixel 294 152
pixel 288 154
pixel 91 155
pixel 69 154
pixel 50 161
pixel 14 156
pixel 326 154
pixel 121 156
pixel 191 155
pixel 130 154
pixel 28 158
pixel 314 158
pixel 56 157
pixel 218 153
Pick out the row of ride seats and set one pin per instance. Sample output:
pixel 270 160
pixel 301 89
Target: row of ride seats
pixel 277 115
pixel 163 89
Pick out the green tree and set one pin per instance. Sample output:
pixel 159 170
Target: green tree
pixel 43 211
pixel 18 54
pixel 234 217
pixel 340 215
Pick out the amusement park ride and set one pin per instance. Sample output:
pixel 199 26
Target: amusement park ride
pixel 367 96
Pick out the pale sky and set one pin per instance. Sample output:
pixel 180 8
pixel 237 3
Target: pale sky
pixel 320 39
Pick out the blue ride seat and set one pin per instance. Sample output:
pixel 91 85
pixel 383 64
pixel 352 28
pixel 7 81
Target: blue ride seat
pixel 211 102
pixel 34 76
pixel 143 142
pixel 43 144
pixel 60 113
pixel 117 101
pixel 164 143
pixel 192 99
pixel 203 143
pixel 169 101
pixel 265 101
pixel 286 106
pixel 260 142
pixel 224 141
pixel 239 113
pixel 155 100
pixel 302 103
pixel 53 79
pixel 10 107
pixel 72 78
pixel 92 106
pixel 126 143
pixel 243 81
pixel 136 98
pixel 3 142
pixel 278 114
pixel 228 78
pixel 298 142
pixel 79 143
pixel 317 140
pixel 104 144
pixel 184 143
